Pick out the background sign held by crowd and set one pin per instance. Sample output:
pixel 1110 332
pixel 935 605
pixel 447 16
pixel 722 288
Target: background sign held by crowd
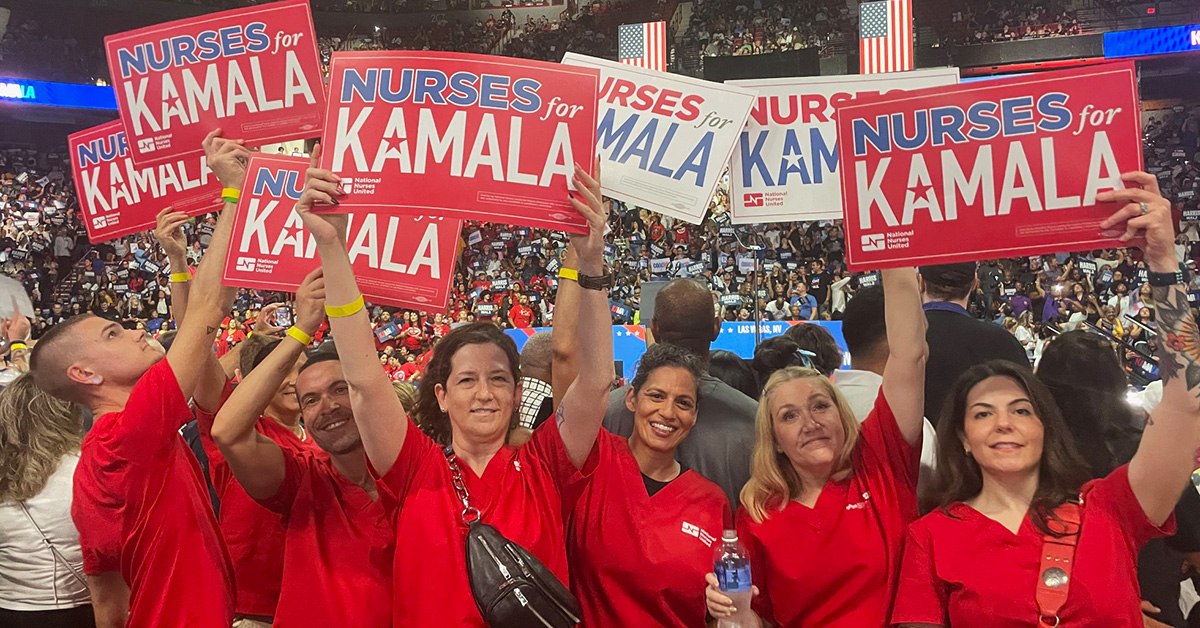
pixel 118 197
pixel 664 138
pixel 254 73
pixel 404 261
pixel 469 136
pixel 996 169
pixel 785 166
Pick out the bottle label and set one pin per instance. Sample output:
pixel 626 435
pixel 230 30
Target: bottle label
pixel 733 579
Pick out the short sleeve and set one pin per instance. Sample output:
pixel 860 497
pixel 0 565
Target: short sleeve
pixel 547 445
pixel 886 447
pixel 393 486
pixel 1114 495
pixel 758 566
pixel 154 413
pixel 920 598
pixel 97 516
pixel 218 469
pixel 295 466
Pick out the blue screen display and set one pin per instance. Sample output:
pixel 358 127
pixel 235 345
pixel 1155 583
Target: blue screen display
pixel 57 94
pixel 1151 41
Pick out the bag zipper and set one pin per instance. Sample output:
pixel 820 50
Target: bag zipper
pixel 566 612
pixel 487 548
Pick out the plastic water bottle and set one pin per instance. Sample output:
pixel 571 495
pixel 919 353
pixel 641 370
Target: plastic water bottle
pixel 732 568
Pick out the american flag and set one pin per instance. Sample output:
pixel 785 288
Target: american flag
pixel 885 38
pixel 643 45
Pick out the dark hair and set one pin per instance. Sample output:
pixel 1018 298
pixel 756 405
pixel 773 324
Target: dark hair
pixel 327 353
pixel 864 326
pixel 958 478
pixel 817 339
pixel 661 355
pixel 1085 377
pixel 262 354
pixel 52 355
pixel 429 416
pixel 772 355
pixel 730 368
pixel 949 281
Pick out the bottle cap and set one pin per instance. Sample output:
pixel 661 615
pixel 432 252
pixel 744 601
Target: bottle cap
pixel 729 535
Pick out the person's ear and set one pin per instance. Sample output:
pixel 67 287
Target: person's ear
pixel 81 375
pixel 716 328
pixel 629 397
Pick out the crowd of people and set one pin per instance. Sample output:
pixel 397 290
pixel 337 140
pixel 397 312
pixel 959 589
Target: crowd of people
pixel 1010 20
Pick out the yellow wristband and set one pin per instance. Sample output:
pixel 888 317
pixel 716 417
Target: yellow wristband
pixel 568 273
pixel 299 335
pixel 16 346
pixel 231 195
pixel 342 311
pixel 181 277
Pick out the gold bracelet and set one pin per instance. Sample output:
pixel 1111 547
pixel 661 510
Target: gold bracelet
pixel 342 311
pixel 568 273
pixel 181 277
pixel 299 335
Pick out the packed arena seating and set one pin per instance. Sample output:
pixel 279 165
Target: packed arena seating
pixel 1010 20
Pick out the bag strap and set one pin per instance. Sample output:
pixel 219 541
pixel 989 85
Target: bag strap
pixel 1058 557
pixel 58 556
pixel 470 514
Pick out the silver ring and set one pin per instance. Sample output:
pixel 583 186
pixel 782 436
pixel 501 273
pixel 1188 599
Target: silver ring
pixel 1145 207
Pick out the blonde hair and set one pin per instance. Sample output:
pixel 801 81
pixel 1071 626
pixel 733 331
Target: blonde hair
pixel 773 481
pixel 407 394
pixel 36 431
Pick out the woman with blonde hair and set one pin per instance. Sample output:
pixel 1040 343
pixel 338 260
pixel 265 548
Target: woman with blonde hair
pixel 41 564
pixel 824 513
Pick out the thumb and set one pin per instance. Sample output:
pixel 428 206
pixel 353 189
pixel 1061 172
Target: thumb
pixel 1147 607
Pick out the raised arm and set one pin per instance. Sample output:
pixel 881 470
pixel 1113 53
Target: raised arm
pixel 586 400
pixel 566 355
pixel 1166 456
pixel 380 417
pixel 904 373
pixel 169 233
pixel 190 354
pixel 257 461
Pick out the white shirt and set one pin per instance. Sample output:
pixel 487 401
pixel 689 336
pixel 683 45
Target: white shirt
pixel 837 295
pixel 31 579
pixel 861 389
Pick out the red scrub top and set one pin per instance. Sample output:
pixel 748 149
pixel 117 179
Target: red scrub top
pixel 964 569
pixel 638 560
pixel 337 561
pixel 521 494
pixel 836 565
pixel 141 507
pixel 254 535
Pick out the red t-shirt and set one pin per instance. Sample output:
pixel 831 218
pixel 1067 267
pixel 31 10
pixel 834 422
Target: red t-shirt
pixel 440 331
pixel 836 565
pixel 520 317
pixel 636 559
pixel 412 336
pixel 681 234
pixel 141 507
pixel 962 567
pixel 520 494
pixel 340 543
pixel 254 535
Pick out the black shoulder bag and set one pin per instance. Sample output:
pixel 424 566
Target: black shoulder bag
pixel 511 587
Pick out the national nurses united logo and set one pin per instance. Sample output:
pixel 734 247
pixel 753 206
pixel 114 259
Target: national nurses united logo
pixel 874 242
pixel 694 531
pixel 754 200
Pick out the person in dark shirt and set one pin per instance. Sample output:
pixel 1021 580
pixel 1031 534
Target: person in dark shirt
pixel 956 341
pixel 818 284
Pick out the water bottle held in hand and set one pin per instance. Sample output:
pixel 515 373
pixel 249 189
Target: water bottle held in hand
pixel 732 568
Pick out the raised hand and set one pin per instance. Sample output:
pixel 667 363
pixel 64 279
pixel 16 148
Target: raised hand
pixel 310 302
pixel 226 158
pixel 589 201
pixel 169 233
pixel 321 187
pixel 1144 220
pixel 265 323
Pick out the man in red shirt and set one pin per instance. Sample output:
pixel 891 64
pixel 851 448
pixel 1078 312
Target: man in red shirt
pixel 337 557
pixel 140 502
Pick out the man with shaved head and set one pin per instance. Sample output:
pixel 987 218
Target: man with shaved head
pixel 720 444
pixel 151 548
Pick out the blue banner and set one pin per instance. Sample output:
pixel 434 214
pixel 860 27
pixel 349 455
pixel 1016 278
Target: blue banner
pixel 1151 41
pixel 57 94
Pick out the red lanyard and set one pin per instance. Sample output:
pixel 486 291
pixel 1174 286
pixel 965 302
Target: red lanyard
pixel 1058 557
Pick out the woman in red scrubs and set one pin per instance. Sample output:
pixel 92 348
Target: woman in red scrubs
pixel 468 400
pixel 824 513
pixel 1007 467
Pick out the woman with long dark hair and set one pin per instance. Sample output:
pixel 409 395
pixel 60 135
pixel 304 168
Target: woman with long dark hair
pixel 1018 536
pixel 467 409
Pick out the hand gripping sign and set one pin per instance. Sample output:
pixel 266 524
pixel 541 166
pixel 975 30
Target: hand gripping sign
pixel 469 136
pixel 254 73
pixel 404 261
pixel 993 169
pixel 664 138
pixel 785 166
pixel 117 197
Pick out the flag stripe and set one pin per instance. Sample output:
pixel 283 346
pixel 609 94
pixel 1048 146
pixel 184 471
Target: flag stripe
pixel 885 36
pixel 643 45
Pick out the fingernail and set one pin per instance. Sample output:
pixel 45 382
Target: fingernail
pixel 338 178
pixel 334 201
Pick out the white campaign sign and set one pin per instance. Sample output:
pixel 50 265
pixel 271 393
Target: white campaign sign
pixel 663 138
pixel 785 165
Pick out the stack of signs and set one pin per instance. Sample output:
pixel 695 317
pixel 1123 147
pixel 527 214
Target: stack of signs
pixel 118 197
pixel 785 167
pixel 254 73
pixel 984 170
pixel 664 138
pixel 469 136
pixel 402 261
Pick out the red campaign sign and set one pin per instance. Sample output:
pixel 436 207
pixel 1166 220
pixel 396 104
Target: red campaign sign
pixel 254 73
pixel 471 136
pixel 118 197
pixel 988 169
pixel 404 261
